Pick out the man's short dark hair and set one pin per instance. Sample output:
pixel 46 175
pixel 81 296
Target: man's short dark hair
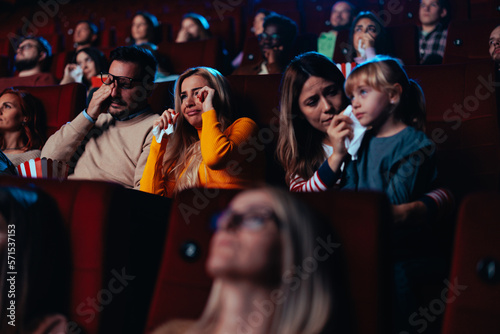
pixel 42 44
pixel 286 26
pixel 143 57
pixel 93 28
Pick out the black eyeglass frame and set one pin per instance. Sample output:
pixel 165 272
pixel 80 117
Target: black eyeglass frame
pixel 115 77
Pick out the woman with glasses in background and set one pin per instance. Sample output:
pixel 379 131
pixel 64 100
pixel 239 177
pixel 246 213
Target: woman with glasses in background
pixel 275 45
pixel 256 259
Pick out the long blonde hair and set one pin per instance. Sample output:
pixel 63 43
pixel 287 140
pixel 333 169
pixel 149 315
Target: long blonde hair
pixel 184 150
pixel 312 304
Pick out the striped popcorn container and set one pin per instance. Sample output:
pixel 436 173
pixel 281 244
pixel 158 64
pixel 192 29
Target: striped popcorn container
pixel 346 68
pixel 43 168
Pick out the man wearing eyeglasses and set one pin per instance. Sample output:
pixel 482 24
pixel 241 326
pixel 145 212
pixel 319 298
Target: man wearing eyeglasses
pixel 110 139
pixel 275 45
pixel 31 62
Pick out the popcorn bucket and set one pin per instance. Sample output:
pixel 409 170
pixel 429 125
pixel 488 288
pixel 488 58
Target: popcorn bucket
pixel 43 168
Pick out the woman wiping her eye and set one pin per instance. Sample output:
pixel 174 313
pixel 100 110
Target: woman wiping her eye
pixel 206 148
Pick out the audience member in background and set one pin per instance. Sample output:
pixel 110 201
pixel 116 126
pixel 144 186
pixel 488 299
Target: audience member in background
pixel 88 63
pixel 206 148
pixel 275 44
pixel 494 49
pixel 494 46
pixel 144 31
pixel 194 27
pixel 433 15
pixel 32 63
pixel 341 18
pixel 110 139
pixel 261 239
pixel 85 35
pixel 368 38
pixel 256 30
pixel 22 127
pixel 42 263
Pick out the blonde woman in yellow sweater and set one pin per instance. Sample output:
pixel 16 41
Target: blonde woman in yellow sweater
pixel 205 149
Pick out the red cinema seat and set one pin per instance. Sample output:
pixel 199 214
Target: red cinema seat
pixel 182 56
pixel 480 9
pixel 468 40
pixel 462 120
pixel 115 257
pixel 257 97
pixel 341 47
pixel 62 103
pixel 162 97
pixel 364 236
pixel 473 294
pixel 59 62
pixel 183 285
pixel 225 30
pixel 5 66
pixel 251 51
pixel 405 41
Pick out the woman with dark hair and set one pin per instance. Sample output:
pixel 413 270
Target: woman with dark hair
pixel 368 38
pixel 194 27
pixel 261 242
pixel 22 125
pixel 311 94
pixel 88 63
pixel 40 273
pixel 144 30
pixel 206 148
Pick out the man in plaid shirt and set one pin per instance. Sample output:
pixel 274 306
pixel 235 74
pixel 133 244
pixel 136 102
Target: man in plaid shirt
pixel 432 35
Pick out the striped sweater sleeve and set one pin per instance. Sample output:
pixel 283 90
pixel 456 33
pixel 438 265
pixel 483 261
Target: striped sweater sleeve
pixel 323 179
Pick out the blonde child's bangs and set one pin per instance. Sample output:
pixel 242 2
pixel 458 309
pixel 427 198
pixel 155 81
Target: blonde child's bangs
pixel 370 74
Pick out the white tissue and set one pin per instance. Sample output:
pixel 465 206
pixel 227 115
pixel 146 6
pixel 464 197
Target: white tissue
pixel 159 133
pixel 77 74
pixel 361 50
pixel 353 145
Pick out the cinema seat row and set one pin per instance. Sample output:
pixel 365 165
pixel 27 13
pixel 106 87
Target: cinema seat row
pixel 231 26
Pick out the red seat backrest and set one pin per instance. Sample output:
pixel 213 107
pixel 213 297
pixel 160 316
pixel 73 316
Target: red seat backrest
pixel 257 97
pixel 62 103
pixel 405 41
pixel 468 40
pixel 462 120
pixel 364 235
pixel 59 61
pixel 183 284
pixel 191 54
pixel 479 9
pixel 162 97
pixel 115 259
pixel 473 295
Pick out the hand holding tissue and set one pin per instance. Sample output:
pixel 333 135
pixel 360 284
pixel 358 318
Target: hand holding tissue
pixel 158 133
pixel 352 145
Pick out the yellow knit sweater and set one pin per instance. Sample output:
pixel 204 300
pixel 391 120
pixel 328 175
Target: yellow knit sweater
pixel 231 159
